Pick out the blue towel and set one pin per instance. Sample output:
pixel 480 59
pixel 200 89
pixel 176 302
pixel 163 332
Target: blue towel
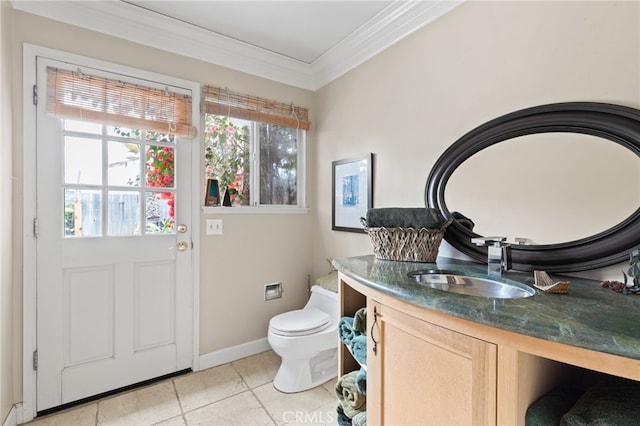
pixel 346 330
pixel 358 348
pixel 359 419
pixel 361 381
pixel 342 419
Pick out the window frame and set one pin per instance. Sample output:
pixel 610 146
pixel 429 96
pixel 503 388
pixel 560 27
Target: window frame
pixel 254 163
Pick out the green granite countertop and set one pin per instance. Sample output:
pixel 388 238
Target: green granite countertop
pixel 589 317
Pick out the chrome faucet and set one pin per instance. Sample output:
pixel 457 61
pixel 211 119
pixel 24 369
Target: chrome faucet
pixel 498 254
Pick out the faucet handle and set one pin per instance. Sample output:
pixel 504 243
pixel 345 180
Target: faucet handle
pixel 486 241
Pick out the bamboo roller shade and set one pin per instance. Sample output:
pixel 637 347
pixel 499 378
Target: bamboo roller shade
pixel 80 96
pixel 221 101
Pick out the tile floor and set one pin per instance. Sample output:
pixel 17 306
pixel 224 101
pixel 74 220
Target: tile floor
pixel 238 393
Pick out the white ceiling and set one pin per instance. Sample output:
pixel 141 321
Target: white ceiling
pixel 303 43
pixel 302 30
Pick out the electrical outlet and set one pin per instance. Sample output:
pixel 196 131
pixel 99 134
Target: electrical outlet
pixel 214 226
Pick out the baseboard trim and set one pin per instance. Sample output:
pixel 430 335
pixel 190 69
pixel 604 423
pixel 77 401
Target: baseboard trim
pixel 234 353
pixel 12 417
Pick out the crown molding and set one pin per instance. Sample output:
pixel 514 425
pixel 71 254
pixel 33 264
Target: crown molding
pixel 122 20
pixel 394 23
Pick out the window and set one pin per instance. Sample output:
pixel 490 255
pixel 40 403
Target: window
pixel 260 163
pixel 255 148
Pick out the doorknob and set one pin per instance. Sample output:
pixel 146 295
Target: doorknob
pixel 182 245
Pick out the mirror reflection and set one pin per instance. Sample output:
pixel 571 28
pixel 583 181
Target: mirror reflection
pixel 548 187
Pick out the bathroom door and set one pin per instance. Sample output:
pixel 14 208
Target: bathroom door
pixel 114 287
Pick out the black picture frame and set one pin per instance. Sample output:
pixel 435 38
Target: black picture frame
pixel 212 195
pixel 352 192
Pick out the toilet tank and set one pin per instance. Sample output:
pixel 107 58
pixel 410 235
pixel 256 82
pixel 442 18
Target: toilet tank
pixel 325 300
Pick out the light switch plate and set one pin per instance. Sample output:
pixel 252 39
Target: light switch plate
pixel 214 226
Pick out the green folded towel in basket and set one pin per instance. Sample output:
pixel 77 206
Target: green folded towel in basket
pixel 399 217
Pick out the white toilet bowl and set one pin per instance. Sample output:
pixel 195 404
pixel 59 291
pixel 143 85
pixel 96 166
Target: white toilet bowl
pixel 307 341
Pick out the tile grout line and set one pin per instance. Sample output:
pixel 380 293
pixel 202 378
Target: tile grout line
pixel 97 412
pixel 254 395
pixel 247 389
pixel 175 391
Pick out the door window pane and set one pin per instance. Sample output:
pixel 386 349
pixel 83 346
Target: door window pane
pixel 159 212
pixel 82 127
pixel 82 160
pixel 82 213
pixel 124 164
pixel 160 166
pixel 123 132
pixel 159 137
pixel 124 213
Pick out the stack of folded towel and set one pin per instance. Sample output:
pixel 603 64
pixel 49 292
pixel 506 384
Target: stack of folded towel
pixel 613 401
pixel 397 217
pixel 352 387
pixel 353 333
pixel 361 381
pixel 352 402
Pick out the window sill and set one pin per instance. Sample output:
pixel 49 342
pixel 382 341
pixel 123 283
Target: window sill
pixel 254 210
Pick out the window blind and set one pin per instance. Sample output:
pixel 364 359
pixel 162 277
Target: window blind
pixel 221 101
pixel 79 96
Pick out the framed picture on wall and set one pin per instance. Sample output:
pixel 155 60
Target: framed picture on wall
pixel 212 196
pixel 352 185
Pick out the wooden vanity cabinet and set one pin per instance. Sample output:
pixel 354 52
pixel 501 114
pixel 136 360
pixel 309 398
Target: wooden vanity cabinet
pixel 423 374
pixel 426 367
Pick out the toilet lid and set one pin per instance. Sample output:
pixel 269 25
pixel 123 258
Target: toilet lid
pixel 302 321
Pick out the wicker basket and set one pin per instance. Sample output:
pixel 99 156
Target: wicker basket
pixel 407 244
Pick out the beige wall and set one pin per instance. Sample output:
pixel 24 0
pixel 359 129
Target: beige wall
pixel 480 61
pixel 254 251
pixel 7 323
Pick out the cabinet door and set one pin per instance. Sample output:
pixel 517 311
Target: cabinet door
pixel 423 374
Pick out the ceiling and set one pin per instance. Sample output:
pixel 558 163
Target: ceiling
pixel 302 30
pixel 303 43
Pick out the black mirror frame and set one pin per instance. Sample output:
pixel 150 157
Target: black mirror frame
pixel 617 123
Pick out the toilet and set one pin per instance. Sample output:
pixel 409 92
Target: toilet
pixel 307 341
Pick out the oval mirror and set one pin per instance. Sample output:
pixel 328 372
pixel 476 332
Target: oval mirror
pixel 550 148
pixel 531 181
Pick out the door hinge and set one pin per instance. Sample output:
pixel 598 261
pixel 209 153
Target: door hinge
pixel 36 227
pixel 35 94
pixel 35 360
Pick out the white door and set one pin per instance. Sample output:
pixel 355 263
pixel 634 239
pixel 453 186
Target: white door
pixel 114 289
